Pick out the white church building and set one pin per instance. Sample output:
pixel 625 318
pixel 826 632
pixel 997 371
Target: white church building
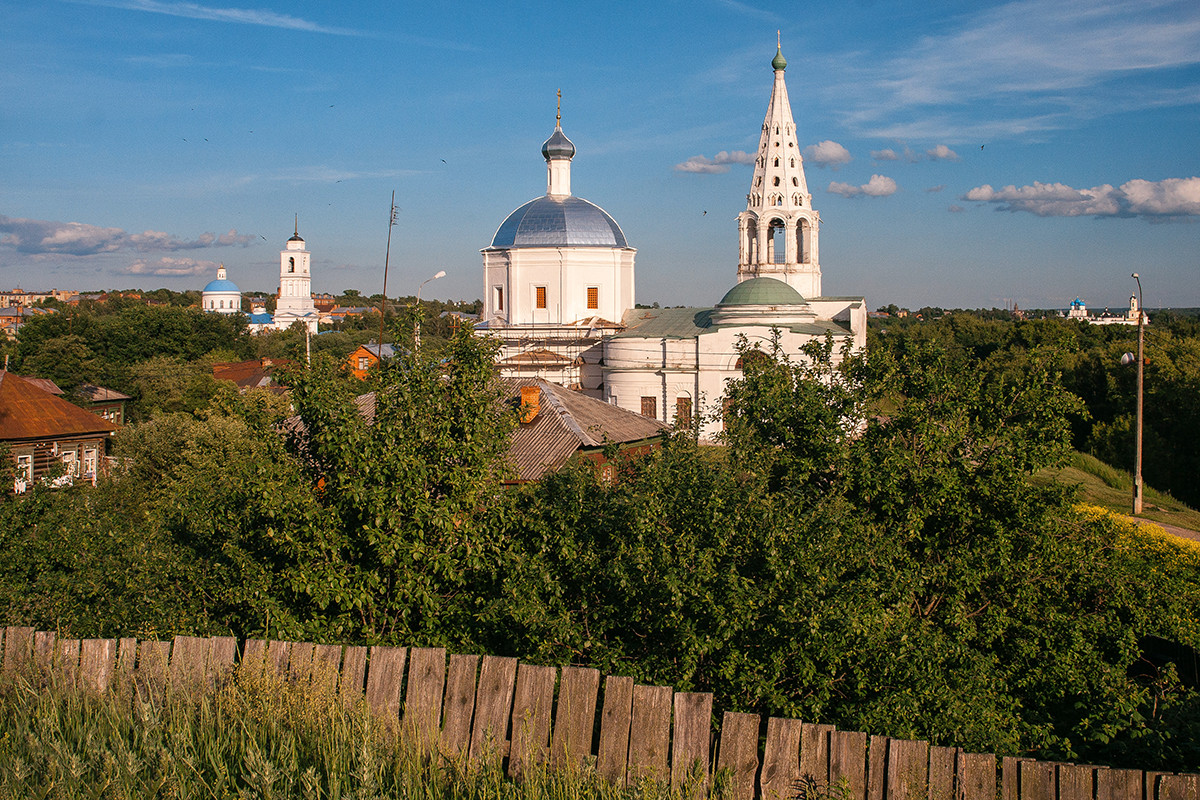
pixel 294 302
pixel 221 296
pixel 559 278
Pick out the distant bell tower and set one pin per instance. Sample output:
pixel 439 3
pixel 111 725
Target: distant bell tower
pixel 778 231
pixel 295 301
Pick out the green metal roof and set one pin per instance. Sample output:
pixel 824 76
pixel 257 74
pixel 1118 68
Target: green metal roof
pixel 688 323
pixel 762 292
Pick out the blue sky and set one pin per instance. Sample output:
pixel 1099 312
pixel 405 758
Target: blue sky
pixel 960 154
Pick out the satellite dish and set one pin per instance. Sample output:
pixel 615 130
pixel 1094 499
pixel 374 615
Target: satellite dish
pixel 1127 359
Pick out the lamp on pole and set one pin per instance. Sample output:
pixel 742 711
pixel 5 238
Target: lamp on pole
pixel 417 339
pixel 1137 456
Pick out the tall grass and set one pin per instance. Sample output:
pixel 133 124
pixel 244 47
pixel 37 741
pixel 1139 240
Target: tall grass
pixel 253 735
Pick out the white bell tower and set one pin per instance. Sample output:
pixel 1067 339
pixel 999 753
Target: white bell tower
pixel 295 301
pixel 778 231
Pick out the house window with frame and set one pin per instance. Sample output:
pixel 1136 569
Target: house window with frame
pixel 593 297
pixel 25 467
pixel 650 407
pixel 540 296
pixel 498 297
pixel 364 362
pixel 89 462
pixel 70 463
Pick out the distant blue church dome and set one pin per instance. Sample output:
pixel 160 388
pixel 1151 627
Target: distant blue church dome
pixel 221 285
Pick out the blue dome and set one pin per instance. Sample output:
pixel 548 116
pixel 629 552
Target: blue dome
pixel 221 286
pixel 559 222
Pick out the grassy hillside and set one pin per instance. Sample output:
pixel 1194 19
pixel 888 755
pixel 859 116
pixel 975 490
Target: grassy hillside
pixel 1112 489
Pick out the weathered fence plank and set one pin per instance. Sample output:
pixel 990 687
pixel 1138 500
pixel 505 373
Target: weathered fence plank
pixel 153 668
pixel 254 658
pixel 493 704
pixel 189 657
pixel 1036 780
pixel 612 759
pixel 848 763
pixel 300 662
pixel 66 660
pixel 649 734
pixel 97 659
pixel 1010 782
pixel 907 768
pixel 1120 784
pixel 575 717
pixel 532 703
pixel 385 678
pixel 976 776
pixel 423 701
pixel 18 648
pixel 326 659
pixel 1179 787
pixel 354 675
pixel 43 649
pixel 222 655
pixel 126 661
pixel 814 755
pixel 460 704
pixel 1076 782
pixel 877 756
pixel 691 744
pixel 781 758
pixel 738 752
pixel 277 657
pixel 942 761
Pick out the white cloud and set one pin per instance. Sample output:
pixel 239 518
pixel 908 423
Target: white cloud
pixel 1034 65
pixel 169 267
pixel 1173 197
pixel 878 186
pixel 704 165
pixel 956 209
pixel 42 237
pixel 887 154
pixel 827 153
pixel 941 153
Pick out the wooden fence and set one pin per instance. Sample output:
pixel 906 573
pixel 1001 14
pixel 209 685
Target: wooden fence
pixel 468 705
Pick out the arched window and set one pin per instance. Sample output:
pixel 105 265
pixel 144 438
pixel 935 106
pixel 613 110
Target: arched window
pixel 793 162
pixel 750 357
pixel 777 161
pixel 291 265
pixel 776 180
pixel 795 181
pixel 776 233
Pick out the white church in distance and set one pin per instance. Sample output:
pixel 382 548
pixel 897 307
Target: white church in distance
pixel 294 303
pixel 559 290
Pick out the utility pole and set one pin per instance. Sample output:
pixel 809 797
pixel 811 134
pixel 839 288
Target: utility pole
pixel 386 255
pixel 1137 457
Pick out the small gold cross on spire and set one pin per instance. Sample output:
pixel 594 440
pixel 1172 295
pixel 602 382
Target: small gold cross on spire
pixel 558 111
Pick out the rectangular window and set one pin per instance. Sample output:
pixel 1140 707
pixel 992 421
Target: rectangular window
pixel 541 296
pixel 25 467
pixel 650 407
pixel 89 462
pixel 593 296
pixel 498 297
pixel 70 464
pixel 683 412
pixel 363 362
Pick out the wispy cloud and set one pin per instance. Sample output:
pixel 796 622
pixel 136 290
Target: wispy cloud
pixel 1172 197
pixel 703 165
pixel 937 188
pixel 878 186
pixel 244 16
pixel 940 152
pixel 827 153
pixel 43 237
pixel 1023 67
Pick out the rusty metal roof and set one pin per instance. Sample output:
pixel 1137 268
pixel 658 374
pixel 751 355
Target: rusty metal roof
pixel 567 422
pixel 27 412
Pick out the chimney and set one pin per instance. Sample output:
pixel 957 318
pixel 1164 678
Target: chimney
pixel 529 403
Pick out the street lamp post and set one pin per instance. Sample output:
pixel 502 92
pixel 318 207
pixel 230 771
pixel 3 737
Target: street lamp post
pixel 1137 456
pixel 417 338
